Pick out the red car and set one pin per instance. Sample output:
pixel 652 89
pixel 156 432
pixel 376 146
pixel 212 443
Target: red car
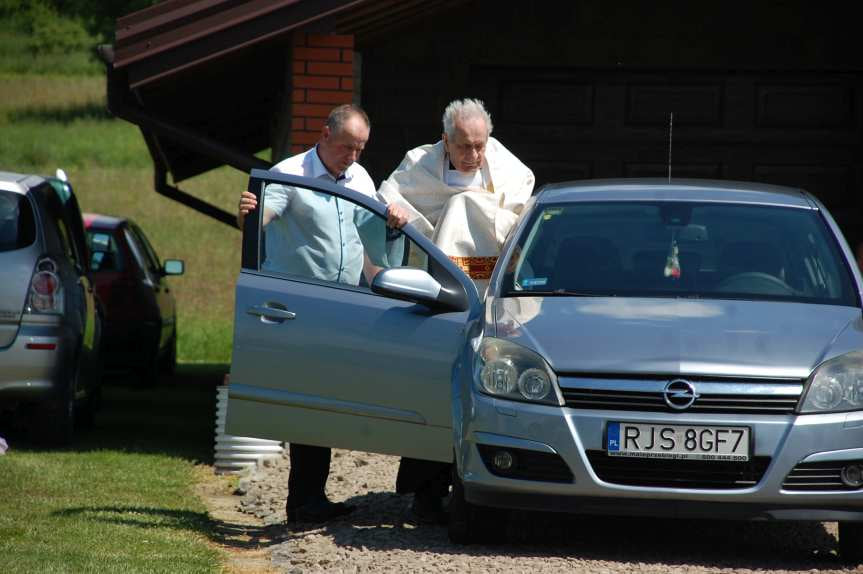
pixel 140 322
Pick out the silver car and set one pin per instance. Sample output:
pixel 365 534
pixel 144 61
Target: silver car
pixel 50 370
pixel 692 348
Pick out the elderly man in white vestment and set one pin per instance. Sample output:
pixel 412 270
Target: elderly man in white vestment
pixel 465 193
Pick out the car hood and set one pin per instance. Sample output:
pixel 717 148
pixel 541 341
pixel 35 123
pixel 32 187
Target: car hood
pixel 676 336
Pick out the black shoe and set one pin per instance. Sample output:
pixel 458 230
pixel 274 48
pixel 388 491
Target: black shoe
pixel 428 509
pixel 318 511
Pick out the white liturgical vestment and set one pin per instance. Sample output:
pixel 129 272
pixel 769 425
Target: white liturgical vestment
pixel 470 223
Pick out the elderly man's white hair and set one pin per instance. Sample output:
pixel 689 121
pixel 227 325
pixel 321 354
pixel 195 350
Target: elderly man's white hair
pixel 465 109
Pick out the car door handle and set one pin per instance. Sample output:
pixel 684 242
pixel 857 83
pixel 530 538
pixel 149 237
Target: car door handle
pixel 270 312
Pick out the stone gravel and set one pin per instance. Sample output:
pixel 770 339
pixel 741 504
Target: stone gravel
pixel 379 536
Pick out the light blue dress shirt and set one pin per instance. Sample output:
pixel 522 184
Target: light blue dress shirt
pixel 314 234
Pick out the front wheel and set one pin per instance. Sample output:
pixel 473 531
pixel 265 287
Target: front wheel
pixel 851 542
pixel 470 523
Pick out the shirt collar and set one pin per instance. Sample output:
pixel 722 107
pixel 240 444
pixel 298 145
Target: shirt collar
pixel 318 169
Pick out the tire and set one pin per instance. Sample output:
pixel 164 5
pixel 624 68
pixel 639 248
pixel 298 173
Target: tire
pixel 56 420
pixel 459 528
pixel 85 418
pixel 851 542
pixel 168 363
pixel 148 373
pixel 470 523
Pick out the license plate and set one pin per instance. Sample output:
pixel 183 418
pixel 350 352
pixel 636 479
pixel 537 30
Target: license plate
pixel 646 440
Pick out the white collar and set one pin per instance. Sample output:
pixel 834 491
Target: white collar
pixel 318 169
pixel 455 178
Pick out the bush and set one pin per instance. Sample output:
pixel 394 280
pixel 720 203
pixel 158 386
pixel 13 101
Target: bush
pixel 50 33
pixel 47 31
pixel 95 17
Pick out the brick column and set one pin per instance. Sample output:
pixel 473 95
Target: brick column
pixel 323 77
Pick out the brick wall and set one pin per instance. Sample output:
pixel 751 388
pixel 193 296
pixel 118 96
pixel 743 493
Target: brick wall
pixel 323 77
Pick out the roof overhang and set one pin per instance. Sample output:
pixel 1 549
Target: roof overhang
pixel 206 80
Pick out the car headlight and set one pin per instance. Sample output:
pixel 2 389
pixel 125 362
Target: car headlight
pixel 510 371
pixel 835 386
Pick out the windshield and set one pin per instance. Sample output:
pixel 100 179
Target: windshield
pixel 679 249
pixel 17 226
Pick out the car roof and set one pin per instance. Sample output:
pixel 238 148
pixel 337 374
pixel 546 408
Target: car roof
pixel 18 182
pixel 103 221
pixel 659 189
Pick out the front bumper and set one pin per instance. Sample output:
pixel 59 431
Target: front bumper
pixel 786 439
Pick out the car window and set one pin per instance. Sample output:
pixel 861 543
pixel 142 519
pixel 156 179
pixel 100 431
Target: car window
pixel 139 254
pixel 66 240
pixel 320 237
pixel 17 222
pixel 153 262
pixel 64 207
pixel 680 249
pixel 56 220
pixel 104 253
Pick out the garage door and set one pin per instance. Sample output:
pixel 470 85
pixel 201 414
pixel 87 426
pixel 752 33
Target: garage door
pixel 791 128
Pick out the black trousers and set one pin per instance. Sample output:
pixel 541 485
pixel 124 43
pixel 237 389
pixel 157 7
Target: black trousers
pixel 424 477
pixel 307 481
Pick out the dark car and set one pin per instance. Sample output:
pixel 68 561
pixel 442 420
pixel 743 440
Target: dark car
pixel 140 311
pixel 50 369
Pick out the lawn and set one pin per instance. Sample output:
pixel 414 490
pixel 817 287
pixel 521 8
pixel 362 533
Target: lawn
pixel 52 120
pixel 121 499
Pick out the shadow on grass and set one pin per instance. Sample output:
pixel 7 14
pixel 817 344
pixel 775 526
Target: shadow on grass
pixel 175 417
pixel 224 533
pixel 61 114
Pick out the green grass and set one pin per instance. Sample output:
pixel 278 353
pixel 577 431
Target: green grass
pixel 121 500
pixel 17 56
pixel 53 121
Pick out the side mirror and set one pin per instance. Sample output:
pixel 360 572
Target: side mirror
pixel 173 267
pixel 408 284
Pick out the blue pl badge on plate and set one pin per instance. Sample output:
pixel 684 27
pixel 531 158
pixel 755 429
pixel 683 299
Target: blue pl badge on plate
pixel 613 437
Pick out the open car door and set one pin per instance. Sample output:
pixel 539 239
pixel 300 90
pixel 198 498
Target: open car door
pixel 328 355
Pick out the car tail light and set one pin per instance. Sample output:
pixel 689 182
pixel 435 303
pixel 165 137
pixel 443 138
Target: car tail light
pixel 46 292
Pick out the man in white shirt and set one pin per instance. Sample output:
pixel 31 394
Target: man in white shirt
pixel 304 237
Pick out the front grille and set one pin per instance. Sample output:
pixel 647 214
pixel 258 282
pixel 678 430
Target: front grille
pixel 809 476
pixel 716 395
pixel 527 464
pixel 713 475
pixel 654 402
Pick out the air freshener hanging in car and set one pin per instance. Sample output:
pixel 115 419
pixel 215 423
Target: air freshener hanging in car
pixel 672 262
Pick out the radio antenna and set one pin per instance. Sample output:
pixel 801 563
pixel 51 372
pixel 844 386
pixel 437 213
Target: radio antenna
pixel 670 129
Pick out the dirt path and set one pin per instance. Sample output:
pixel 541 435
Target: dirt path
pixel 244 538
pixel 380 536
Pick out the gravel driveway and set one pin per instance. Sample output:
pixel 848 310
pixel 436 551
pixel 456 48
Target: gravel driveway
pixel 379 536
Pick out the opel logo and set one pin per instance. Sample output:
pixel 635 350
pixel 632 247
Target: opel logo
pixel 679 394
